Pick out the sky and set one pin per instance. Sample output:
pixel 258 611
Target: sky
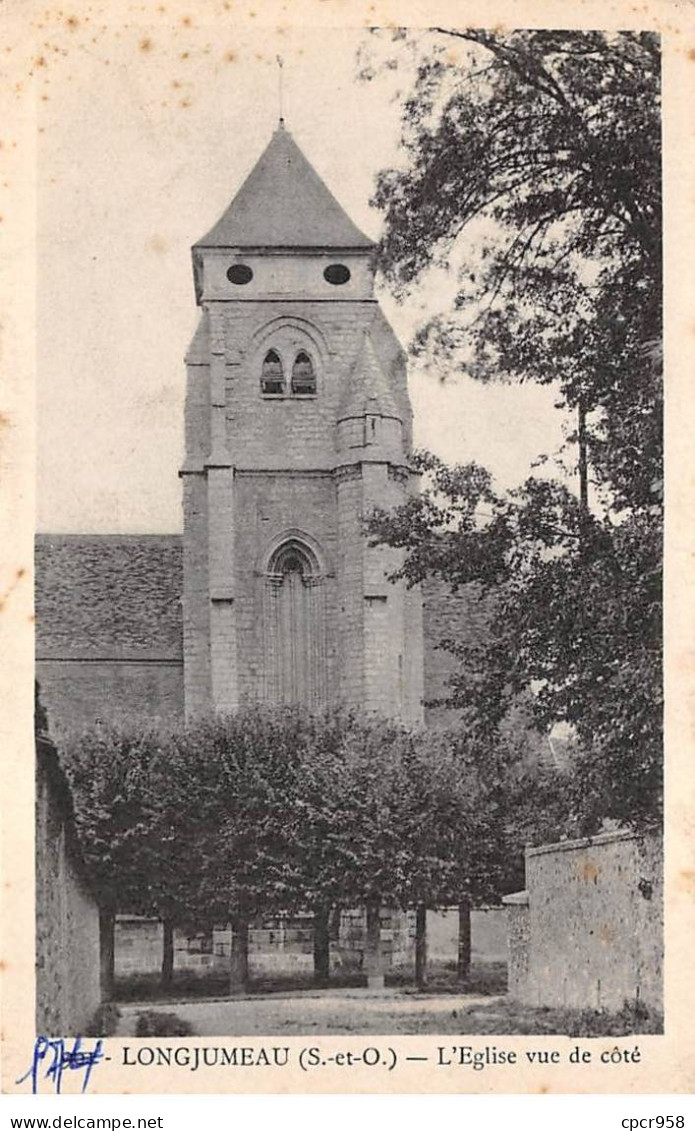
pixel 145 134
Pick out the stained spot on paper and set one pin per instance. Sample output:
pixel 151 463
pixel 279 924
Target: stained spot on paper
pixel 18 577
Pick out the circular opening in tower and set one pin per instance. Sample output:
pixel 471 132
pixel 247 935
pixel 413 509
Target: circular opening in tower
pixel 337 274
pixel 240 274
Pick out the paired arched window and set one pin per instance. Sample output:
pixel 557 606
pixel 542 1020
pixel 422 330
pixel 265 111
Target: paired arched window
pixel 302 378
pixel 272 377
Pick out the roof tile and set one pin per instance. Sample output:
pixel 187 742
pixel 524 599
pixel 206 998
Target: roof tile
pixel 108 596
pixel 284 203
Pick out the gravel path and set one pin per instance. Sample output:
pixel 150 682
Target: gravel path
pixel 309 1013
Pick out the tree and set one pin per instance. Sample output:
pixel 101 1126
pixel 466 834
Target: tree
pixel 543 148
pixel 275 810
pixel 233 806
pixel 279 810
pixel 408 819
pixel 533 176
pixel 113 778
pixel 573 622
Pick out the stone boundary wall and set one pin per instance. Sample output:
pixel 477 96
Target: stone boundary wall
pixel 588 930
pixel 277 944
pixel 67 917
pixel 488 934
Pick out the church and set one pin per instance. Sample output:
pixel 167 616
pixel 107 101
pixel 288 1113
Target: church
pixel 297 425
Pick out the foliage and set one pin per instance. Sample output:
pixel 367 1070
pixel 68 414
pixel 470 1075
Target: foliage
pixel 232 808
pixel 105 1021
pixel 277 810
pixel 113 774
pixel 533 172
pixel 402 820
pixel 573 622
pixel 542 151
pixel 510 1017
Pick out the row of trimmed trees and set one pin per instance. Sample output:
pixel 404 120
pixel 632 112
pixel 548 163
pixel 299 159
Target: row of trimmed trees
pixel 279 811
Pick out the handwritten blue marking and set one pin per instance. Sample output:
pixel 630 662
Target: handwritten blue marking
pixel 53 1056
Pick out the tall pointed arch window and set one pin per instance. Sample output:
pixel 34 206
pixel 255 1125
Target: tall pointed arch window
pixel 303 375
pixel 295 627
pixel 272 376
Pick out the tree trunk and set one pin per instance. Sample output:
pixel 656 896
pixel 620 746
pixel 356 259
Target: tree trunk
pixel 322 946
pixel 239 956
pixel 464 951
pixel 167 954
pixel 107 953
pixel 421 946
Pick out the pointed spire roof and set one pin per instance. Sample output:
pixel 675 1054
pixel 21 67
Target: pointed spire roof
pixel 284 203
pixel 367 391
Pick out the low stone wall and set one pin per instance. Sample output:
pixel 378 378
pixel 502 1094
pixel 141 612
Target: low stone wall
pixel 67 917
pixel 588 930
pixel 277 944
pixel 488 934
pixel 138 948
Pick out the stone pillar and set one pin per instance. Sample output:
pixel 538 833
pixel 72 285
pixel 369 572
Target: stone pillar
pixel 223 655
pixel 220 480
pixel 239 956
pixel 350 584
pixel 196 600
pixel 373 956
pixel 383 607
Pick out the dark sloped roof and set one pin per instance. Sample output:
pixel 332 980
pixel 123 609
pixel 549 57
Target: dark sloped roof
pixel 109 596
pixel 284 203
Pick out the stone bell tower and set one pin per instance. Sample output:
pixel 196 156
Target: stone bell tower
pixel 298 423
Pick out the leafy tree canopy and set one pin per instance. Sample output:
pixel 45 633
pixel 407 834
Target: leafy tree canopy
pixel 272 810
pixel 531 174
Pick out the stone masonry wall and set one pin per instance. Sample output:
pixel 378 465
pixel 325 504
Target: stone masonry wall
pixel 268 504
pixel 288 475
pixel 589 933
pixel 67 916
pixel 459 616
pixel 196 598
pixel 108 628
pixel 78 694
pixel 277 944
pixel 291 431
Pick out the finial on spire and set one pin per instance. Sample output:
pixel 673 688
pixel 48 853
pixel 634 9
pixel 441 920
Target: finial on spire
pixel 281 120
